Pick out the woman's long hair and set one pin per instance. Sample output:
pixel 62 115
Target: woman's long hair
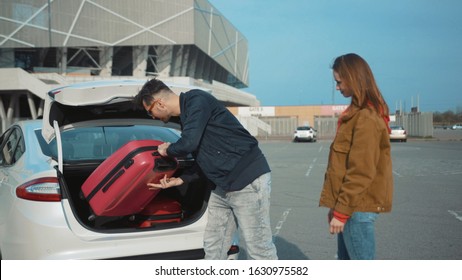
pixel 357 77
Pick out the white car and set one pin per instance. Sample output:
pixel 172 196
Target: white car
pixel 398 133
pixel 305 133
pixel 457 126
pixel 43 164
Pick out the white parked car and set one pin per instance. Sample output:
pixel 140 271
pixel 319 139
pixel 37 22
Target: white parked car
pixel 43 164
pixel 398 133
pixel 457 126
pixel 305 133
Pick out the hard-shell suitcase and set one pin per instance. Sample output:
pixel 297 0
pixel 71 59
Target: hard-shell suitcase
pixel 118 186
pixel 161 209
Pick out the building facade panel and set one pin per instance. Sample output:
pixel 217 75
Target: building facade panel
pixel 217 37
pixel 100 23
pixel 95 23
pixel 305 114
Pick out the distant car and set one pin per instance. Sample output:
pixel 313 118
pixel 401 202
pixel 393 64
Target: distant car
pixel 457 126
pixel 398 133
pixel 43 164
pixel 305 133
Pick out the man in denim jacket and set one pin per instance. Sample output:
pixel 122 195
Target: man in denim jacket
pixel 230 158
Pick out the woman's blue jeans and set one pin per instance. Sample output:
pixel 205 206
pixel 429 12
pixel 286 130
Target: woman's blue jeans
pixel 357 242
pixel 246 209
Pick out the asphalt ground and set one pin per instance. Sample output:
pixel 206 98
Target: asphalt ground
pixel 426 220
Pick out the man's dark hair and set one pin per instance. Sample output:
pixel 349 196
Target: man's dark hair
pixel 149 89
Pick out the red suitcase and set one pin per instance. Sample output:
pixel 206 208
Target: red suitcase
pixel 118 186
pixel 161 209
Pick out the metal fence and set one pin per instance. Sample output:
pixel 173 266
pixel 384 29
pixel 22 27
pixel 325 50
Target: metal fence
pixel 285 126
pixel 326 127
pixel 419 124
pixel 281 126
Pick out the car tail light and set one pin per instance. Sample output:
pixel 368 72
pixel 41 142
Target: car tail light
pixel 42 189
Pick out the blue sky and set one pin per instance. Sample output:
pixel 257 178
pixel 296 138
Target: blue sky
pixel 414 48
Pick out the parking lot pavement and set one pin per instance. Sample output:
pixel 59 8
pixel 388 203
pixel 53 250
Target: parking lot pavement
pixel 426 219
pixel 447 134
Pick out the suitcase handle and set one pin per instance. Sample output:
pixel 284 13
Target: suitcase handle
pixel 129 163
pixel 109 184
pixel 165 164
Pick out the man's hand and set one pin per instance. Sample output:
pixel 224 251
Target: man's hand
pixel 162 149
pixel 165 183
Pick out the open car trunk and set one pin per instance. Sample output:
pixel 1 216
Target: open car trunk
pixel 83 124
pixel 191 197
pixel 85 145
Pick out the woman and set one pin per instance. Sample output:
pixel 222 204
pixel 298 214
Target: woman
pixel 358 182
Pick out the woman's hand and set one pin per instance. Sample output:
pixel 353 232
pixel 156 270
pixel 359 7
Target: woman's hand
pixel 335 226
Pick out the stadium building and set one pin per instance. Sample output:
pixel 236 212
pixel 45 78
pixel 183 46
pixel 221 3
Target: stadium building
pixel 45 44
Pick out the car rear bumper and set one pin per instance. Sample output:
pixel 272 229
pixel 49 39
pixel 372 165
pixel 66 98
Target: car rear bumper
pixel 398 137
pixel 197 254
pixel 57 238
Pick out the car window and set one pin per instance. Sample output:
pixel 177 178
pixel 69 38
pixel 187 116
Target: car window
pixel 2 153
pixel 303 128
pixel 12 147
pixel 97 143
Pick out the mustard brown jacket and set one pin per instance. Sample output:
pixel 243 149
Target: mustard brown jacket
pixel 359 172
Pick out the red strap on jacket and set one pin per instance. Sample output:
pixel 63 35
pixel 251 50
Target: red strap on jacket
pixel 341 217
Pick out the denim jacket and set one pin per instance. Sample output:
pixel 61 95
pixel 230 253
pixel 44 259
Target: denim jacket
pixel 224 150
pixel 359 173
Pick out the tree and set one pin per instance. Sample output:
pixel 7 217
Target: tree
pixel 447 118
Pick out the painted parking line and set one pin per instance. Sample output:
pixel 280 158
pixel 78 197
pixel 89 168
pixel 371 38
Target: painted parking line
pixel 456 214
pixel 308 172
pixel 281 222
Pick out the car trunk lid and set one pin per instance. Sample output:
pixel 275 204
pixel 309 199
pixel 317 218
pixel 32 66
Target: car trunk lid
pixel 91 101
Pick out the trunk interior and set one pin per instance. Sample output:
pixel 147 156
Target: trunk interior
pixel 191 197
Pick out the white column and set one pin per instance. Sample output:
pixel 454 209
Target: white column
pixel 105 58
pixel 140 58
